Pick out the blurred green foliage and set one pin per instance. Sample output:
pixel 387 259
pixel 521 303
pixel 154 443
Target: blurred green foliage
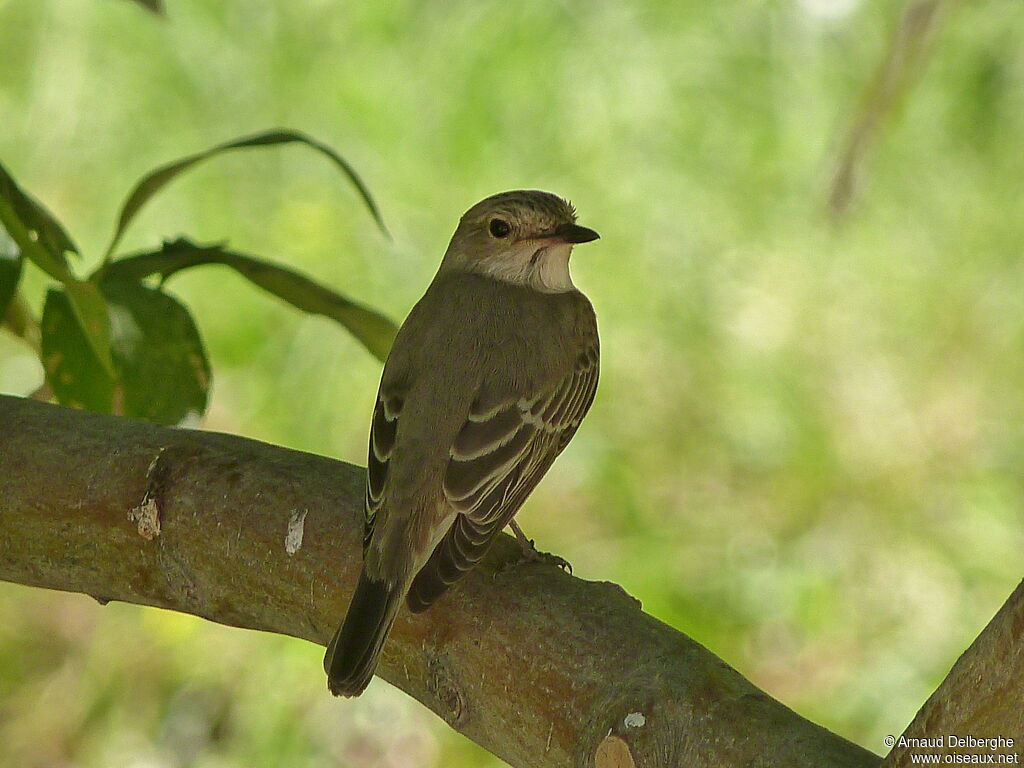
pixel 807 446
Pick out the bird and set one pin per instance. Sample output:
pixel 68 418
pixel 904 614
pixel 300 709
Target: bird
pixel 486 383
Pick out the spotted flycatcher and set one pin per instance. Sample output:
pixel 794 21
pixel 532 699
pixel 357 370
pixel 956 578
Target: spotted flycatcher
pixel 488 380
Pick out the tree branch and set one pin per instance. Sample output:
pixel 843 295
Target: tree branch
pixel 905 60
pixel 541 668
pixel 982 697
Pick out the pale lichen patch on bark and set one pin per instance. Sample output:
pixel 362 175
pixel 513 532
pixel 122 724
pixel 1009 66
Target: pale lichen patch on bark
pixel 296 527
pixel 634 720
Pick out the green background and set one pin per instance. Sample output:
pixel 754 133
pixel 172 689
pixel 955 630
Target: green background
pixel 806 450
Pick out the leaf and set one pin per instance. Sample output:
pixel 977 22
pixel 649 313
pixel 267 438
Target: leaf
pixel 162 368
pixel 35 217
pixel 72 369
pixel 38 234
pixel 10 272
pixel 90 310
pixel 41 239
pixel 371 329
pixel 156 180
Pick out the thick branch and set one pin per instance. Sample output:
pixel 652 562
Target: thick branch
pixel 539 667
pixel 982 697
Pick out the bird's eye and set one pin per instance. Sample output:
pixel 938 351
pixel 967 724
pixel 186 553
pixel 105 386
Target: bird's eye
pixel 499 228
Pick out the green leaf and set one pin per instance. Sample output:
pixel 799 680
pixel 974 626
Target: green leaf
pixel 370 328
pixel 156 180
pixel 163 372
pixel 10 272
pixel 37 233
pixel 72 369
pixel 35 217
pixel 40 238
pixel 90 310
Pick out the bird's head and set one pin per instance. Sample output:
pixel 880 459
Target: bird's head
pixel 523 237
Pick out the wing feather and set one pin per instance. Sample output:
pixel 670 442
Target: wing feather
pixel 383 431
pixel 481 436
pixel 466 476
pixel 499 456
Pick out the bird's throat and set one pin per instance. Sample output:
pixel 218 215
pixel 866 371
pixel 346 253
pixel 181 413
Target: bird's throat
pixel 545 268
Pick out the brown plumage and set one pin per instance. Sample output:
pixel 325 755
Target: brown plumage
pixel 488 380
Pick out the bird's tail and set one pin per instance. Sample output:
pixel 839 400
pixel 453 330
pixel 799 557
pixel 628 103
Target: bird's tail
pixel 352 655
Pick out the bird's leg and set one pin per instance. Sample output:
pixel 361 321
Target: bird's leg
pixel 529 550
pixel 532 555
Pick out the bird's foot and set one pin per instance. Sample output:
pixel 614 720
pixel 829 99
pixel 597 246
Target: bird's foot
pixel 532 555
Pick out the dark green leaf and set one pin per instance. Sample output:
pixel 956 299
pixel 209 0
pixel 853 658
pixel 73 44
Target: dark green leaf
pixel 163 372
pixel 10 272
pixel 33 227
pixel 56 268
pixel 72 369
pixel 39 237
pixel 153 182
pixel 372 329
pixel 91 312
pixel 27 242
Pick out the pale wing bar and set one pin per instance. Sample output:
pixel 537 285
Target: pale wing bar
pixel 489 449
pixel 383 431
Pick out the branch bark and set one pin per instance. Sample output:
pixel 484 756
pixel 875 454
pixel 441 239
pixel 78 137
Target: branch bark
pixel 982 697
pixel 541 668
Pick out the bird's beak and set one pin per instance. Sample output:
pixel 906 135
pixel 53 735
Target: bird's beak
pixel 574 233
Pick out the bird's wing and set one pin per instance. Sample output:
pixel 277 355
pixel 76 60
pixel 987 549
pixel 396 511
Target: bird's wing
pixel 383 430
pixel 504 448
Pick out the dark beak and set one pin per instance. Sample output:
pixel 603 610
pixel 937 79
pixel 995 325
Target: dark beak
pixel 574 233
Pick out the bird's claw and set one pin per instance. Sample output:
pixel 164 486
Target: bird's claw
pixel 532 555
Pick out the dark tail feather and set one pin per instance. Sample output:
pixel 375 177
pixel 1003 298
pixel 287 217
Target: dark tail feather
pixel 456 554
pixel 439 573
pixel 352 655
